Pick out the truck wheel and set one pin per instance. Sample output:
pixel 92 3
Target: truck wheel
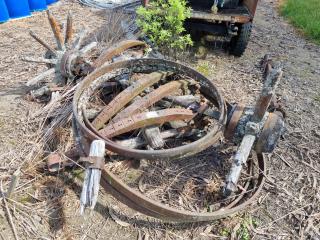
pixel 238 44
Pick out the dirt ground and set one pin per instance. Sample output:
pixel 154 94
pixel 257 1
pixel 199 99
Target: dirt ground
pixel 47 206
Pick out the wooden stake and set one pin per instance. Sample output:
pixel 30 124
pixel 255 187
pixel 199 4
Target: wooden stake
pixel 14 182
pixel 14 230
pixel 90 188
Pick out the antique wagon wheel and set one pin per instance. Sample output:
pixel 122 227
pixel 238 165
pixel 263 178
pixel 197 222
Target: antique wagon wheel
pixel 86 132
pixel 92 82
pixel 69 60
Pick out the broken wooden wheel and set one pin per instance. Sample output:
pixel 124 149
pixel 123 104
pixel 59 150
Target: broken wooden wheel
pixel 149 109
pixel 70 59
pixel 67 61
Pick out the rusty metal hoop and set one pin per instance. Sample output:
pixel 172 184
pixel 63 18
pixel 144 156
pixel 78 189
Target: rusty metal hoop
pixel 113 185
pixel 92 82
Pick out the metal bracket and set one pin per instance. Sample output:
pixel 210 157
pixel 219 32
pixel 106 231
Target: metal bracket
pixel 94 162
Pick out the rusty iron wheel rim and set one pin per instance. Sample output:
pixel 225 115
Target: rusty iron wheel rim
pixel 88 133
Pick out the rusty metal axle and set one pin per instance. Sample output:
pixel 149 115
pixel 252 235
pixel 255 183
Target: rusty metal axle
pixel 254 127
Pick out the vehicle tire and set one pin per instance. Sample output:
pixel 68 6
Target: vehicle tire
pixel 238 44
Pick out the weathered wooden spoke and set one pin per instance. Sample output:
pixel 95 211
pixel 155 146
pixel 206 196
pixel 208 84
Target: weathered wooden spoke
pixel 69 30
pixel 56 29
pixel 143 103
pixel 145 119
pixel 126 96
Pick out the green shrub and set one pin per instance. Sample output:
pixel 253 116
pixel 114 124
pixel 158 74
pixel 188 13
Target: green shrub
pixel 162 22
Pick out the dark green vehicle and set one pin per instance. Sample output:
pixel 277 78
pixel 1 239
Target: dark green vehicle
pixel 230 19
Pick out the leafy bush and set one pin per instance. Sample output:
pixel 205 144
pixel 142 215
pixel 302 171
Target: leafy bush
pixel 162 22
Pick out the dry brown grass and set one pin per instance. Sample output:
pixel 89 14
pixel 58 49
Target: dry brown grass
pixel 46 206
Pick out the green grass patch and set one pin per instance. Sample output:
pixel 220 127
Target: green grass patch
pixel 203 68
pixel 304 14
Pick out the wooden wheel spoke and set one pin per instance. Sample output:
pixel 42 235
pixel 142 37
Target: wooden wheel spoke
pixel 69 30
pixel 56 29
pixel 41 77
pixel 39 40
pixel 145 119
pixel 143 103
pixel 126 96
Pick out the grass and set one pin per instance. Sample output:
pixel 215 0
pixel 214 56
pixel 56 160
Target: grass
pixel 203 68
pixel 304 14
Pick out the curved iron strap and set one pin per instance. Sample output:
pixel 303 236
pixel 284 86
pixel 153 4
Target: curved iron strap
pixel 117 188
pixel 141 203
pixel 148 65
pixel 116 50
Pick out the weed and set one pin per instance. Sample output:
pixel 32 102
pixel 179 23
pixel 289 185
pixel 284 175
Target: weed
pixel 225 232
pixel 317 98
pixel 203 68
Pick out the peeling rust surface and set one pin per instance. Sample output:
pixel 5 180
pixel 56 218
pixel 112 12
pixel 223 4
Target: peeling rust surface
pixel 227 17
pixel 145 119
pixel 234 120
